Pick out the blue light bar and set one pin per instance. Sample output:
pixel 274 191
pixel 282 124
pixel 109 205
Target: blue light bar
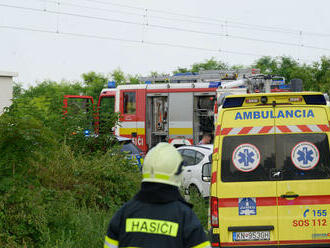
pixel 111 84
pixel 147 82
pixel 284 86
pixel 214 84
pixel 87 132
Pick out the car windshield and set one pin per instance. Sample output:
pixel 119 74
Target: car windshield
pixel 130 148
pixel 253 157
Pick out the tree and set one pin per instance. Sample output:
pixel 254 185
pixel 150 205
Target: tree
pixel 180 70
pixel 94 83
pixel 289 68
pixel 17 90
pixel 322 75
pixel 266 65
pixel 210 64
pixel 118 76
pixel 133 79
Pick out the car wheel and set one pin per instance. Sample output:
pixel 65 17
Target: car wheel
pixel 193 190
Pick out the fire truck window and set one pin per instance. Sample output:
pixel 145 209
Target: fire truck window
pixel 129 103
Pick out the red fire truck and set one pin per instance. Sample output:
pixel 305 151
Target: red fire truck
pixel 176 109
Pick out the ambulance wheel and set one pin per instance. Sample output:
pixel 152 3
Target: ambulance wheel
pixel 193 190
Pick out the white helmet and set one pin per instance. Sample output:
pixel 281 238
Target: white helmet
pixel 162 164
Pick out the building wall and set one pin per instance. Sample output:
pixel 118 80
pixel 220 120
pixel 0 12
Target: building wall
pixel 6 91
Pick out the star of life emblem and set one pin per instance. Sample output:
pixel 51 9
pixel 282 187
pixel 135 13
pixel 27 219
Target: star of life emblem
pixel 246 157
pixel 247 206
pixel 305 155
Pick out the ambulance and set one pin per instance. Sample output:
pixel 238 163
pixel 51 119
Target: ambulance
pixel 270 183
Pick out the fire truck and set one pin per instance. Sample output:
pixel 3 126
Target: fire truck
pixel 177 109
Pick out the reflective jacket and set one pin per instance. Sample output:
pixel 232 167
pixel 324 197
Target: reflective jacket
pixel 157 217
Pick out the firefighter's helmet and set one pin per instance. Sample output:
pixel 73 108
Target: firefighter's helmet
pixel 163 164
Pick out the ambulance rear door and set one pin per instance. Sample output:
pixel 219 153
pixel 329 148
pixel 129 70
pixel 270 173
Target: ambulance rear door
pixel 245 190
pixel 303 171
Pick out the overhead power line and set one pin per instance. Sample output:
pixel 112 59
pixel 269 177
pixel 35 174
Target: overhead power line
pixel 90 7
pixel 216 20
pixel 127 40
pixel 116 4
pixel 216 24
pixel 164 27
pixel 208 21
pixel 230 24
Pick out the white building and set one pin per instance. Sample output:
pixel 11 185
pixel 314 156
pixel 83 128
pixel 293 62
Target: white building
pixel 6 88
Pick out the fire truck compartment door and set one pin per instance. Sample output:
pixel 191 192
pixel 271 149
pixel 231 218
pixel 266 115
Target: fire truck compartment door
pixel 181 115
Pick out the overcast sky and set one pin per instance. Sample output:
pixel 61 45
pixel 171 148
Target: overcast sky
pixel 233 31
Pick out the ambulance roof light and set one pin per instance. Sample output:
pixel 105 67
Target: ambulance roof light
pixel 111 84
pixel 263 99
pixel 295 99
pixel 254 100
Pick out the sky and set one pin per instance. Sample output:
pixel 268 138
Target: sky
pixel 61 39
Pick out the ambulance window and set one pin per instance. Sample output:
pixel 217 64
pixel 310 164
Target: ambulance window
pixel 129 103
pixel 247 158
pixel 303 156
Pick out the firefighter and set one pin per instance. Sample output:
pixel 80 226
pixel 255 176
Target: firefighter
pixel 206 139
pixel 157 216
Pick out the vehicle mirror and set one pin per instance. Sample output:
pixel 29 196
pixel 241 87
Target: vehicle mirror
pixel 206 172
pixel 210 158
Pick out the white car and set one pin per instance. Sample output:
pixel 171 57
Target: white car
pixel 196 173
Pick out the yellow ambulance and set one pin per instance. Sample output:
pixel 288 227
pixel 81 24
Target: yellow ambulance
pixel 270 183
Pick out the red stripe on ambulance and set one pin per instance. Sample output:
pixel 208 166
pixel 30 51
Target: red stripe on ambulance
pixel 304 128
pixel 277 129
pixel 284 129
pixel 324 128
pixel 233 202
pixel 218 130
pixel 225 131
pixel 265 129
pixel 246 243
pixel 305 200
pixel 245 130
pixel 257 243
pixel 273 201
pixel 214 177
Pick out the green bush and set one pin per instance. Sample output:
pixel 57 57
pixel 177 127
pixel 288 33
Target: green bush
pixel 201 208
pixel 65 200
